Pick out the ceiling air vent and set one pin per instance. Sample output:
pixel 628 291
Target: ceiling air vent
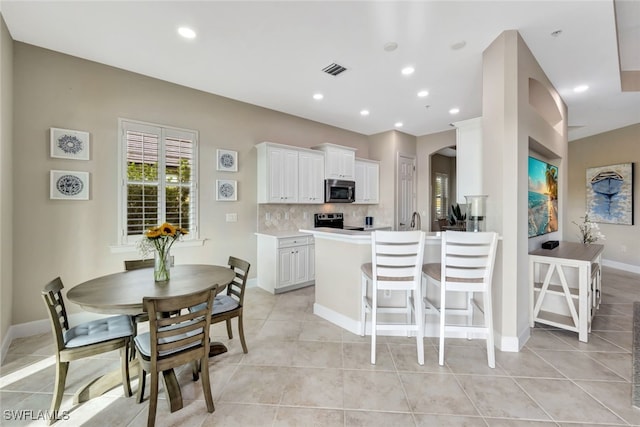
pixel 334 69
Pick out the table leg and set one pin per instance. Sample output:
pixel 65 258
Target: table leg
pixel 172 389
pixel 104 383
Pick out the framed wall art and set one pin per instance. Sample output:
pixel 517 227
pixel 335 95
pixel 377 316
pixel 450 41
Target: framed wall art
pixel 610 194
pixel 227 160
pixel 69 144
pixel 69 185
pixel 226 190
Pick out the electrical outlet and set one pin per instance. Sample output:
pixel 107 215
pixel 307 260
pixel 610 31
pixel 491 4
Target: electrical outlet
pixel 286 215
pixel 623 248
pixel 232 217
pixel 267 216
pixel 304 215
pixel 387 293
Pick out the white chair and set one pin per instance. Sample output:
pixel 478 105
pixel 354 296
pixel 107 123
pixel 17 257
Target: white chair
pixel 466 265
pixel 397 258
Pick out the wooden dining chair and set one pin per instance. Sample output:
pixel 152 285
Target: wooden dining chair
pixel 83 340
pixel 174 341
pixel 230 304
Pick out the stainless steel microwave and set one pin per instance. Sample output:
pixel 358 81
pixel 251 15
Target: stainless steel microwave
pixel 339 191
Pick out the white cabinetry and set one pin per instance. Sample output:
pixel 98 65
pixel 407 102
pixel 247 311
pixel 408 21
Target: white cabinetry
pixel 289 174
pixel 285 263
pixel 311 177
pixel 367 174
pixel 468 158
pixel 339 161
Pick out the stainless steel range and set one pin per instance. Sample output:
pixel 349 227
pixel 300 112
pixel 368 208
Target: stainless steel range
pixel 332 220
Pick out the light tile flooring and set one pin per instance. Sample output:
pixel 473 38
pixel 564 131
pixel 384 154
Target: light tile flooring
pixel 304 371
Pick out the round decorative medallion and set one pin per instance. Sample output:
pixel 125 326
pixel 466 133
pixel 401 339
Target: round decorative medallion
pixel 226 161
pixel 226 190
pixel 69 185
pixel 69 144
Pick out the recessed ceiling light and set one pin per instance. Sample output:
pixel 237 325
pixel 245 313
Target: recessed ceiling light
pixel 454 111
pixel 459 45
pixel 391 46
pixel 187 33
pixel 556 33
pixel 398 124
pixel 580 88
pixel 423 93
pixel 318 96
pixel 408 71
pixel 364 112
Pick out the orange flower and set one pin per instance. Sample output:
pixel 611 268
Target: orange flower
pixel 168 229
pixel 153 233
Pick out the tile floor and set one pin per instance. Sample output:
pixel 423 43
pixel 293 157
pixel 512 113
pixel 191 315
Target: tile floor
pixel 304 371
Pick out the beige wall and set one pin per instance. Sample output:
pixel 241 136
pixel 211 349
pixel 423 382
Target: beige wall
pixel 425 147
pixel 6 186
pixel 510 124
pixel 72 238
pixel 622 244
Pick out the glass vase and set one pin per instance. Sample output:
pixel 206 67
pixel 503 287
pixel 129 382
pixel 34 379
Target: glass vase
pixel 162 266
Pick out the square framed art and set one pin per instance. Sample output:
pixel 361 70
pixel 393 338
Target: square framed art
pixel 227 160
pixel 610 194
pixel 226 190
pixel 69 144
pixel 69 185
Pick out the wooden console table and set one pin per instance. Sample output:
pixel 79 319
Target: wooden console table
pixel 569 276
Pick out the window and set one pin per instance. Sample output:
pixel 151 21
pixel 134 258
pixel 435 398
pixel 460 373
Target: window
pixel 159 179
pixel 441 195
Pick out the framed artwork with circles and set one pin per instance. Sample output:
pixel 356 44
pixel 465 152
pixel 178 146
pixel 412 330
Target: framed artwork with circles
pixel 226 190
pixel 227 160
pixel 69 144
pixel 69 185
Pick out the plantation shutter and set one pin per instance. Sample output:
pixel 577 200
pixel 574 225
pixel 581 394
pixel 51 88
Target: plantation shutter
pixel 441 195
pixel 159 179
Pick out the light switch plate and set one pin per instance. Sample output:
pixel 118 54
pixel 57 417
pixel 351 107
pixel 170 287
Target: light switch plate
pixel 232 217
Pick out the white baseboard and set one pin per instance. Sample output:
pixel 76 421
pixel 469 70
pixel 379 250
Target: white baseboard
pixel 338 319
pixel 621 266
pixel 252 283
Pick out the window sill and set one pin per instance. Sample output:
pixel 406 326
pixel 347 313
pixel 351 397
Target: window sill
pixel 121 249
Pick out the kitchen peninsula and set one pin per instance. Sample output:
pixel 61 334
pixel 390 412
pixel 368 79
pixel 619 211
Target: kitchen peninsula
pixel 339 254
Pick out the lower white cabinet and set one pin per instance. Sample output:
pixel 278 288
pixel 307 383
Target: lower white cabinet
pixel 285 262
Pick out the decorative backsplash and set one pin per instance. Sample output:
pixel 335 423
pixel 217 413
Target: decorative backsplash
pixel 274 218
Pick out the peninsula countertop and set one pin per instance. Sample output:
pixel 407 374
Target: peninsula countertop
pixel 355 236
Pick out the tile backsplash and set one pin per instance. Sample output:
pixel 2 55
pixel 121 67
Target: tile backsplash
pixel 276 217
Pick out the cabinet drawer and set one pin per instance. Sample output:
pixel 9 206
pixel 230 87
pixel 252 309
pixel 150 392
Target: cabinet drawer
pixel 294 241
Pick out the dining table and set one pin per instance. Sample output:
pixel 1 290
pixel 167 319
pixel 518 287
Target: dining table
pixel 123 292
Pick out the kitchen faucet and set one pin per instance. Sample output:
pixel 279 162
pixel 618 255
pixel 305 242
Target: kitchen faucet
pixel 416 222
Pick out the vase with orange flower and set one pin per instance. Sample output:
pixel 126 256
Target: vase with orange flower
pixel 160 239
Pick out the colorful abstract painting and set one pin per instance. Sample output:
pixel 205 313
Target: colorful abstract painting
pixel 543 197
pixel 610 194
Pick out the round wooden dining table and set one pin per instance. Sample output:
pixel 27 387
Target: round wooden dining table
pixel 122 293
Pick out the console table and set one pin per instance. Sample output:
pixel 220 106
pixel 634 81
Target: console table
pixel 565 285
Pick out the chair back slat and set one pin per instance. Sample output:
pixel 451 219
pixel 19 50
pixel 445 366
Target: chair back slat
pixel 397 256
pixel 136 264
pixel 52 296
pixel 237 287
pixel 184 334
pixel 468 257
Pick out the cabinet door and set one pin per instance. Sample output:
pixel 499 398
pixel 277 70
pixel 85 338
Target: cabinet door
pixel 283 175
pixel 312 263
pixel 361 181
pixel 347 164
pixel 301 264
pixel 290 176
pixel 311 174
pixel 372 181
pixel 285 267
pixel 333 169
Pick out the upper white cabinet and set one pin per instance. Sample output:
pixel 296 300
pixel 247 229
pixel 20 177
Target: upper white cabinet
pixel 311 177
pixel 367 177
pixel 339 161
pixel 289 174
pixel 468 158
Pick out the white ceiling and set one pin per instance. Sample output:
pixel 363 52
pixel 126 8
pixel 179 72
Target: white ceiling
pixel 271 53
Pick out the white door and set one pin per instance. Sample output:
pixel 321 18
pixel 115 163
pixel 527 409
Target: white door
pixel 406 191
